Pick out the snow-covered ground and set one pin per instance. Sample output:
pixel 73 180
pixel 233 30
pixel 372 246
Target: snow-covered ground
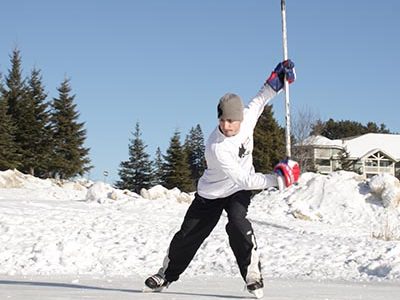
pixel 328 227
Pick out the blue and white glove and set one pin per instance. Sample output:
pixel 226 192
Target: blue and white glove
pixel 283 70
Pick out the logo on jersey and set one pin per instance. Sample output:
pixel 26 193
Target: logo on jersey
pixel 243 149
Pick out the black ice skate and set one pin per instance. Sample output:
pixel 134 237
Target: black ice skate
pixel 155 283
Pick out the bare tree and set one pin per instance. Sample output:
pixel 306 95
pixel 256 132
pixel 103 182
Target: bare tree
pixel 302 124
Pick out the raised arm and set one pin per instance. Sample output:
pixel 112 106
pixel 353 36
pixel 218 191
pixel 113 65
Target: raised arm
pixel 272 86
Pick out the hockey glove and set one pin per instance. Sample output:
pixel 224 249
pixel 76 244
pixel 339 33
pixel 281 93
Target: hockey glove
pixel 283 70
pixel 288 170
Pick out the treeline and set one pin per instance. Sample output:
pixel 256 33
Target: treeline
pixel 345 128
pixel 38 136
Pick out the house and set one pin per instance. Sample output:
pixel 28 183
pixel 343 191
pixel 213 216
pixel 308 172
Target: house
pixel 368 154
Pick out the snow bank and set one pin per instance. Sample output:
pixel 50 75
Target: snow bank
pixel 160 192
pixel 339 198
pixel 326 198
pixel 101 192
pixel 13 181
pixel 387 188
pixel 16 179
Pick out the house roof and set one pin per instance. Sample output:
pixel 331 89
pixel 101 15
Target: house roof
pixel 361 145
pixel 319 140
pixel 373 151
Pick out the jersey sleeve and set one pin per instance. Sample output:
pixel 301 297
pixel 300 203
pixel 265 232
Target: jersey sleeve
pixel 256 105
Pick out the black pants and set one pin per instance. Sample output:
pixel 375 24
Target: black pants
pixel 200 220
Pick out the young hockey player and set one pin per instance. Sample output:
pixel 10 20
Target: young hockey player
pixel 226 185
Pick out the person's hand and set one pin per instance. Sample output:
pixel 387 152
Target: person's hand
pixel 288 172
pixel 283 70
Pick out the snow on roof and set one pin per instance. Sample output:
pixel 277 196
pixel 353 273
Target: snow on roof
pixel 361 145
pixel 319 140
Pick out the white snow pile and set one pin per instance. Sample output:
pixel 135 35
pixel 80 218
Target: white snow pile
pixel 101 192
pixel 12 182
pixel 16 179
pixel 336 226
pixel 387 188
pixel 160 192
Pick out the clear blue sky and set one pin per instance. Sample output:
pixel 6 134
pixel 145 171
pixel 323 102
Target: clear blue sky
pixel 165 64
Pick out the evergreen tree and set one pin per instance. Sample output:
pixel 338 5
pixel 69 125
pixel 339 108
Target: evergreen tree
pixel 70 157
pixel 345 163
pixel 8 150
pixel 28 111
pixel 15 91
pixel 269 142
pixel 372 127
pixel 194 147
pixel 158 168
pixel 35 132
pixel 41 132
pixel 136 172
pixel 176 167
pixel 342 129
pixel 15 95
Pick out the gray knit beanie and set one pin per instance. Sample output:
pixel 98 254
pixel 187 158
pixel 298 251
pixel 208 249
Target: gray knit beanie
pixel 230 107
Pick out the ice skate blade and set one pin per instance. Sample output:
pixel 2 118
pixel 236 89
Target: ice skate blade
pixel 146 289
pixel 258 293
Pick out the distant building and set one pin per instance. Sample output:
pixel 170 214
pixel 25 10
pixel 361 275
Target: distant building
pixel 368 154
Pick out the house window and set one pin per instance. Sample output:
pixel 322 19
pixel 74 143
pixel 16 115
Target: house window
pixel 371 163
pixel 397 169
pixel 323 162
pixel 385 163
pixel 336 152
pixel 358 167
pixel 323 166
pixel 323 153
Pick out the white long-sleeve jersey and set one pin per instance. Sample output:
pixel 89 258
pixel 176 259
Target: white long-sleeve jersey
pixel 230 160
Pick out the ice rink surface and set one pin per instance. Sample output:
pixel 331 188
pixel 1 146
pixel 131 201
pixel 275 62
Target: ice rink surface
pixel 204 288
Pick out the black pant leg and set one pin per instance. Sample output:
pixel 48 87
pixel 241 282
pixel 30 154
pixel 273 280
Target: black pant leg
pixel 241 236
pixel 199 221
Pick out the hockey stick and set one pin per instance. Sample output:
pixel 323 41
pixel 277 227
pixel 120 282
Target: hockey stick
pixel 287 98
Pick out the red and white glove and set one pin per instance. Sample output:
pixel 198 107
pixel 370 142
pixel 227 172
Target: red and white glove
pixel 288 170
